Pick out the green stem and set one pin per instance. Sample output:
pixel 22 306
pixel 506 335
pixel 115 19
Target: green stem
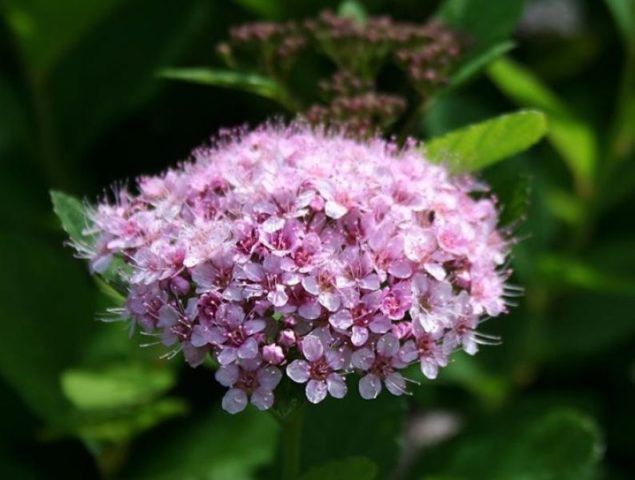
pixel 291 443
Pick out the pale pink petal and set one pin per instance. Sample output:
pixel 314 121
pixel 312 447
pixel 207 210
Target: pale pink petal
pixel 298 371
pixel 312 348
pixel 316 391
pixel 262 399
pixel 234 401
pixel 269 377
pixel 341 319
pixel 227 376
pixel 369 386
pixel 336 386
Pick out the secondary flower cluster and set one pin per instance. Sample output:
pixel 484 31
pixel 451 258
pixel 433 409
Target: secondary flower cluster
pixel 301 251
pixel 359 51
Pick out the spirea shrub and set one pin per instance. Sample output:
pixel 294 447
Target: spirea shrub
pixel 301 252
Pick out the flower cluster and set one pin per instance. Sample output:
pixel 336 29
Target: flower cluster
pixel 359 52
pixel 299 251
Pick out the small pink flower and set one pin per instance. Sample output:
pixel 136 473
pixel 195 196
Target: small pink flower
pixel 248 381
pixel 319 370
pixel 381 365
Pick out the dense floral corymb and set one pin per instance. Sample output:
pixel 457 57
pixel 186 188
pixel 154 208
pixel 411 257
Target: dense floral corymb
pixel 303 252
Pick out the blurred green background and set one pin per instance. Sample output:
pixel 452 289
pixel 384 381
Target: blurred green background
pixel 81 107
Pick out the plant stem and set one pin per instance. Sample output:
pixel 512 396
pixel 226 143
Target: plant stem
pixel 291 443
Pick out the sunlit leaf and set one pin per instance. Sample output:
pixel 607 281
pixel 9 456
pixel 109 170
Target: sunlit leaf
pixel 573 138
pixel 119 425
pixel 356 468
pixel 477 146
pixel 116 386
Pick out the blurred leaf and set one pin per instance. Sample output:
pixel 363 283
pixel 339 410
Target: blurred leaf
pixel 564 205
pixel 114 387
pixel 354 10
pixel 559 445
pixel 355 468
pixel 560 270
pixel 248 82
pixel 477 61
pixel 117 425
pixel 468 371
pixel 477 146
pixel 337 429
pixel 45 30
pixel 71 214
pixel 587 323
pixel 487 21
pixel 216 445
pixel 624 14
pixel 573 138
pixel 47 308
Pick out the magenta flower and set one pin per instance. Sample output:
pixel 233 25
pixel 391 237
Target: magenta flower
pixel 310 250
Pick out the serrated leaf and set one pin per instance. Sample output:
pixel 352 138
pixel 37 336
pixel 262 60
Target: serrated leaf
pixel 573 138
pixel 116 386
pixel 248 82
pixel 72 215
pixel 480 145
pixel 354 468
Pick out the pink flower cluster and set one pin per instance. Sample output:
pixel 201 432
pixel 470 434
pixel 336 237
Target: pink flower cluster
pixel 298 251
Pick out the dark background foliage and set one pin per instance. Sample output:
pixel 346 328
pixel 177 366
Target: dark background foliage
pixel 81 107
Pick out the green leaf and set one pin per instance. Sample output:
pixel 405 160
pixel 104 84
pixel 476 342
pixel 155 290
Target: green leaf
pixel 564 271
pixel 560 445
pixel 372 430
pixel 72 215
pixel 477 146
pixel 478 61
pixel 573 138
pixel 47 304
pixel 115 386
pixel 248 82
pixel 487 21
pixel 214 445
pixel 355 468
pixel 114 426
pixel 624 14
